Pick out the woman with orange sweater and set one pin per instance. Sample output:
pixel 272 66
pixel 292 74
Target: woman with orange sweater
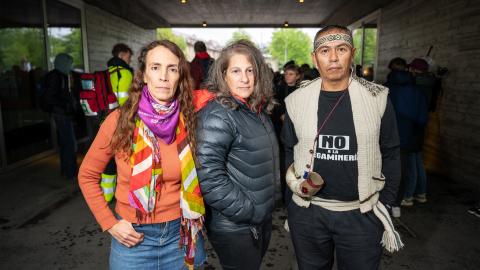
pixel 152 138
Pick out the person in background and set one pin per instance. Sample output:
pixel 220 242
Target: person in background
pixel 307 72
pixel 410 107
pixel 290 82
pixel 121 76
pixel 359 71
pixel 58 98
pixel 121 73
pixel 237 152
pixel 424 79
pixel 158 219
pixel 201 64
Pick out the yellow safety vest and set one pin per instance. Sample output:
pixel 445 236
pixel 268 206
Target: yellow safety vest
pixel 120 87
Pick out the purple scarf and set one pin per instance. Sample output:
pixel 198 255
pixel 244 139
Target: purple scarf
pixel 162 120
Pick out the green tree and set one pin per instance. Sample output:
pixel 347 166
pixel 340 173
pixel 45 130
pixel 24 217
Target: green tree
pixel 18 43
pixel 167 33
pixel 291 44
pixel 73 46
pixel 70 43
pixel 28 43
pixel 370 46
pixel 239 34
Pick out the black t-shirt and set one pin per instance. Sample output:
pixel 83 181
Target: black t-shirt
pixel 336 153
pixel 335 157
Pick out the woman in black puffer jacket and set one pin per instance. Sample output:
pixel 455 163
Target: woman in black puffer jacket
pixel 237 153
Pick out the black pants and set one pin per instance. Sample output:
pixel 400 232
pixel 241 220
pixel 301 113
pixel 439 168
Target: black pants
pixel 111 168
pixel 317 232
pixel 67 145
pixel 240 250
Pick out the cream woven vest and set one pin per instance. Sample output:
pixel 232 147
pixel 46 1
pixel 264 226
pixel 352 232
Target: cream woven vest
pixel 368 102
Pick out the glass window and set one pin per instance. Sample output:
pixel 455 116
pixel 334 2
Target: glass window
pixel 26 129
pixel 365 40
pixel 64 32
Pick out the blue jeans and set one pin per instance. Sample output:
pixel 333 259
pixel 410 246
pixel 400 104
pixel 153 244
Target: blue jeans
pixel 415 176
pixel 67 145
pixel 159 249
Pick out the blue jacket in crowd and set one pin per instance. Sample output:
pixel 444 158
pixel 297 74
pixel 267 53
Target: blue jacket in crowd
pixel 410 104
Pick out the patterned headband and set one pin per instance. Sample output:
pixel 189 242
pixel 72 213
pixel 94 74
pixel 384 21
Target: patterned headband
pixel 332 37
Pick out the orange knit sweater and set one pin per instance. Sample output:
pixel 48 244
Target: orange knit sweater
pixel 167 207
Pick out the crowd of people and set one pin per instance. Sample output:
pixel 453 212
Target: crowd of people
pixel 195 152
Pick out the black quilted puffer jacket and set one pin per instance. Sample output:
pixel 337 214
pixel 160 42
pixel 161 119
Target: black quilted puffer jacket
pixel 237 154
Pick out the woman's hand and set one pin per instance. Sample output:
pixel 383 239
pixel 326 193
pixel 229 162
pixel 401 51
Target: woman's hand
pixel 124 232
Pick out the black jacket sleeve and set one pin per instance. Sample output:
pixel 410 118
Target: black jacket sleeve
pixel 289 140
pixel 215 135
pixel 390 149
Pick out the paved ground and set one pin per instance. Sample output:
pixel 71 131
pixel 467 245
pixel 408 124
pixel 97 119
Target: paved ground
pixel 67 237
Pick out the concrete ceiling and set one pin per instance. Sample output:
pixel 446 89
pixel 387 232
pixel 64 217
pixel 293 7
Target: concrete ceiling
pixel 14 14
pixel 239 13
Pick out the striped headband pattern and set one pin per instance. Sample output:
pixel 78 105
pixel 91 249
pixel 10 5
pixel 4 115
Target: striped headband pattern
pixel 332 37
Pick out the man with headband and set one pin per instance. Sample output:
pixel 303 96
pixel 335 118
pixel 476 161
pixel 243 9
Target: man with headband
pixel 342 151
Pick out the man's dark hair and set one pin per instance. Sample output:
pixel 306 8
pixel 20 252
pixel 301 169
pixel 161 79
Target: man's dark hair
pixel 330 28
pixel 199 46
pixel 120 47
pixel 289 63
pixel 293 67
pixel 397 61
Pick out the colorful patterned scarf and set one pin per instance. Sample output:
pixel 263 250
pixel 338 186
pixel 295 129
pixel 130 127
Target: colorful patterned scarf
pixel 146 179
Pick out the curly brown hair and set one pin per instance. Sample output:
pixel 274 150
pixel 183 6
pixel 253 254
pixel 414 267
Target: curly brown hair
pixel 123 136
pixel 262 90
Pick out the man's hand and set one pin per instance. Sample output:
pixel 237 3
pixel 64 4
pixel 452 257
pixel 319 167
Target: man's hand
pixel 124 233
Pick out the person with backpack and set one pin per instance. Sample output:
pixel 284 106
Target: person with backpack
pixel 58 99
pixel 200 64
pixel 121 75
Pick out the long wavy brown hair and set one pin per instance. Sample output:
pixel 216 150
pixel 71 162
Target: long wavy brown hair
pixel 262 95
pixel 123 136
